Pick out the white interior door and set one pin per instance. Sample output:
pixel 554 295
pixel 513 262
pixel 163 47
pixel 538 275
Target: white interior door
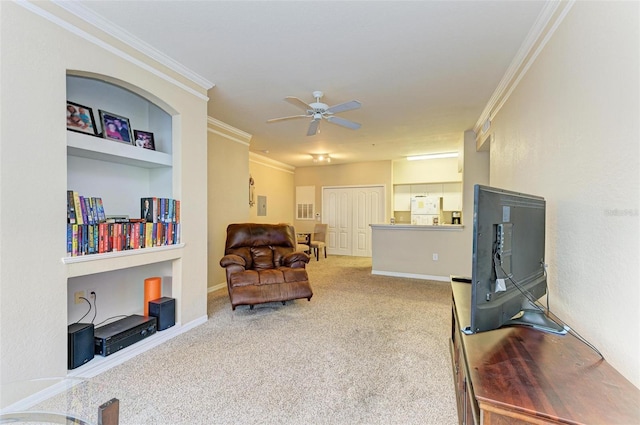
pixel 349 211
pixel 336 213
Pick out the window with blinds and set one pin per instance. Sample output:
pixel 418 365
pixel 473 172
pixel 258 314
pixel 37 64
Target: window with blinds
pixel 305 198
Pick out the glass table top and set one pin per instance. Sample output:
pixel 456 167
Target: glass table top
pixel 70 401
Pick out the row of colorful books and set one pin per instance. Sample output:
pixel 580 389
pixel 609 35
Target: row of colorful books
pixel 160 210
pixel 90 210
pixel 86 239
pixel 84 210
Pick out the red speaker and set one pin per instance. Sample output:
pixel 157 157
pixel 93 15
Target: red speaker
pixel 80 344
pixel 164 310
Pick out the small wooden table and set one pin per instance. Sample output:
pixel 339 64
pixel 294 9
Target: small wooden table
pixel 304 238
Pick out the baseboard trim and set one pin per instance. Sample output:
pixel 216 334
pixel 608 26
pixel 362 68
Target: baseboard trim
pixel 217 287
pixel 411 275
pixel 101 364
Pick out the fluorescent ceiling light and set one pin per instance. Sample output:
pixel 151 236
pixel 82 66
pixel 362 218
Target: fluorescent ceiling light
pixel 433 156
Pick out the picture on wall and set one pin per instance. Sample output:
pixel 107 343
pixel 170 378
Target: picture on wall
pixel 144 139
pixel 80 118
pixel 115 127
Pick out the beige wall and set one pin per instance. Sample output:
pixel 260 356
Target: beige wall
pixel 358 174
pixel 36 55
pixel 228 189
pixel 274 180
pixel 426 171
pixel 570 133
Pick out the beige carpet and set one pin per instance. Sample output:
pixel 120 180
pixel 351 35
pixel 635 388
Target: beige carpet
pixel 365 350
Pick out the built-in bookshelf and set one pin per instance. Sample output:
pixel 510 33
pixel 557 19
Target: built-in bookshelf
pixel 121 175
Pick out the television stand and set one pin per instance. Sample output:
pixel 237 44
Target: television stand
pixel 518 375
pixel 536 319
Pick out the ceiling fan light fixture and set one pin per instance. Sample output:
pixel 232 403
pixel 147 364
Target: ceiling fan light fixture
pixel 433 156
pixel 319 111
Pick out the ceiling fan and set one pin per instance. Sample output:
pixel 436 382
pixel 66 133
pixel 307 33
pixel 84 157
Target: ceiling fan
pixel 318 110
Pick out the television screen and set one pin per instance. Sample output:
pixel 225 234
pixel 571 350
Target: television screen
pixel 508 270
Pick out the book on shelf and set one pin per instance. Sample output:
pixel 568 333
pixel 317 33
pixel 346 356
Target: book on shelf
pixel 100 210
pixel 148 234
pixel 77 207
pixel 163 207
pixel 83 210
pixel 117 219
pixel 147 208
pixel 71 208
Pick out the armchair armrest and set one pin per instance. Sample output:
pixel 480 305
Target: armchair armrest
pixel 232 260
pixel 296 259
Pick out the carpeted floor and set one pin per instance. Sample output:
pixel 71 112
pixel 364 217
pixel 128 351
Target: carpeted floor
pixel 365 350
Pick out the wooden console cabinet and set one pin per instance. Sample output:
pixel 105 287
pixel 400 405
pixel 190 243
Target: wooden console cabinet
pixel 517 375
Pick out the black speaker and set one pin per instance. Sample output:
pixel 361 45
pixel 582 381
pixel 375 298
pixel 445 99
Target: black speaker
pixel 80 347
pixel 164 310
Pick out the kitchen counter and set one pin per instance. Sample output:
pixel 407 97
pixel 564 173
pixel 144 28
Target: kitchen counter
pixel 421 251
pixel 417 227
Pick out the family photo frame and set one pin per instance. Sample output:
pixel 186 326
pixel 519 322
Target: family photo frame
pixel 80 119
pixel 116 127
pixel 144 139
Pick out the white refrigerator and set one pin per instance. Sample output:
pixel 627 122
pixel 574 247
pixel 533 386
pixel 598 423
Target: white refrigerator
pixel 424 209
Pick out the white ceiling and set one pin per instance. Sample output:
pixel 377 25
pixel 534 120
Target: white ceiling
pixel 423 70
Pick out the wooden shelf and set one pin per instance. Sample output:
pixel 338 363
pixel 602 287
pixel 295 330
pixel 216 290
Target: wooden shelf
pixel 92 147
pixel 99 263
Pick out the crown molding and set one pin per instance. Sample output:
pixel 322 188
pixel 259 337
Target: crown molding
pixel 62 23
pixel 108 27
pixel 272 163
pixel 550 17
pixel 223 129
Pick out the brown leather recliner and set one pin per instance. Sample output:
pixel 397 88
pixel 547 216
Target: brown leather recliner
pixel 263 266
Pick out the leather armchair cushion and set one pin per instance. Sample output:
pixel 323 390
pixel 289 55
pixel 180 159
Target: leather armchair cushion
pixel 245 253
pixel 262 257
pixel 245 278
pixel 293 258
pixel 268 276
pixel 232 259
pixel 271 276
pixel 294 275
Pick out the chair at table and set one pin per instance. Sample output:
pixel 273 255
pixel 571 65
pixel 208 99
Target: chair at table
pixel 302 244
pixel 318 239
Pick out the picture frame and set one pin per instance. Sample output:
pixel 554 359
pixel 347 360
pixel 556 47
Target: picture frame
pixel 80 119
pixel 144 139
pixel 116 127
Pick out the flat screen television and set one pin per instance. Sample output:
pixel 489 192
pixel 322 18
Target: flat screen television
pixel 508 270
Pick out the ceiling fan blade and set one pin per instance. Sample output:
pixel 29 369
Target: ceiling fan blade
pixel 313 128
pixel 297 102
pixel 341 107
pixel 345 123
pixel 287 118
